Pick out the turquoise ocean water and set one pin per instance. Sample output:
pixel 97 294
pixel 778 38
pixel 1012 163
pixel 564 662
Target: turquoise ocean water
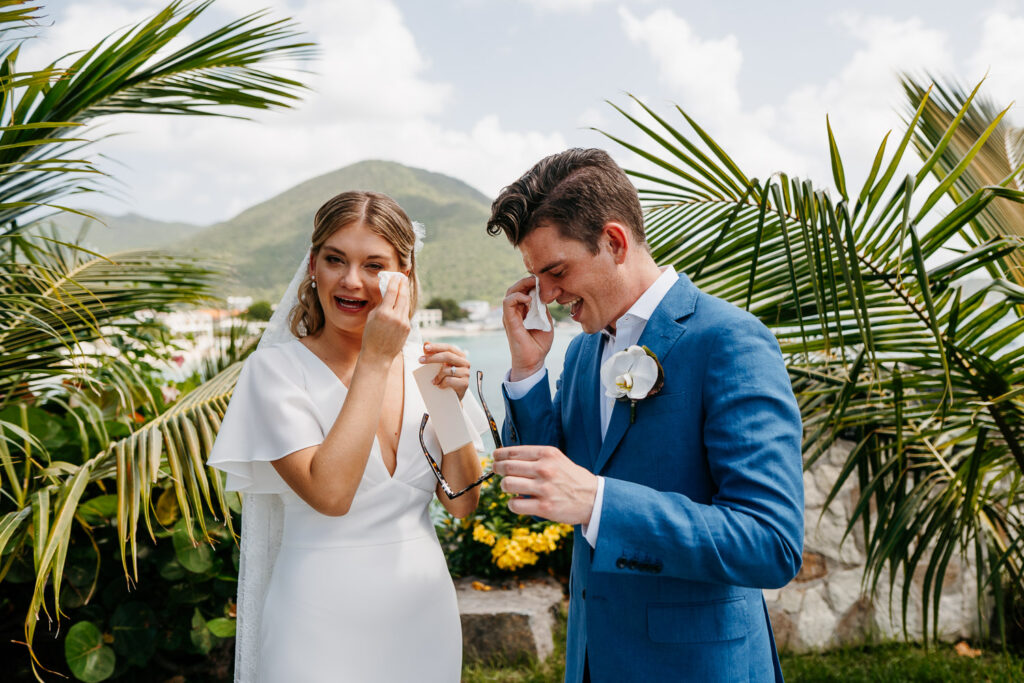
pixel 488 351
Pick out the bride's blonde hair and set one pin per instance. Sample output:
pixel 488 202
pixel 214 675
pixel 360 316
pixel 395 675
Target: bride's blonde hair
pixel 382 216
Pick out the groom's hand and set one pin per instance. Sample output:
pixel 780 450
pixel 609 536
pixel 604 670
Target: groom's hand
pixel 547 483
pixel 528 348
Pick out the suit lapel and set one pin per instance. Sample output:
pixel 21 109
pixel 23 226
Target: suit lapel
pixel 660 334
pixel 590 386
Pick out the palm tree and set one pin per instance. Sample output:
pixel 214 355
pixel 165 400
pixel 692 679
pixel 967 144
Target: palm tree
pixel 59 303
pixel 998 163
pixel 889 339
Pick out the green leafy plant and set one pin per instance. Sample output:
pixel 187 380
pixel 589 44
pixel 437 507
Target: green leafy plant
pixel 74 391
pixel 900 323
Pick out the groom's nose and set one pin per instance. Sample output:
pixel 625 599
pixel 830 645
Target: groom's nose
pixel 548 292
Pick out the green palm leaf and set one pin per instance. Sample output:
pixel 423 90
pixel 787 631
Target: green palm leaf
pixel 72 322
pixel 219 74
pixel 999 163
pixel 887 339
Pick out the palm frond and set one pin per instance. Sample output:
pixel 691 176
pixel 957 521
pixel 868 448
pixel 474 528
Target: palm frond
pixel 889 340
pixel 140 71
pixel 999 163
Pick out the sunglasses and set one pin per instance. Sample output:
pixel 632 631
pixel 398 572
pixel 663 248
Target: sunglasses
pixel 436 469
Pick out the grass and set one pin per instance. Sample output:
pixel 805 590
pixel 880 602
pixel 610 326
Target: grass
pixel 902 663
pixel 889 663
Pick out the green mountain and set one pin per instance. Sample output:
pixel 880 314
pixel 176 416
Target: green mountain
pixel 459 259
pixel 109 233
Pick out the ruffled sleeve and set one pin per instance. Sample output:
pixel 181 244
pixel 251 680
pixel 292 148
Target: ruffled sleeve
pixel 271 415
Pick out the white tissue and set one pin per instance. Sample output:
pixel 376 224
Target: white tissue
pixel 537 316
pixel 384 278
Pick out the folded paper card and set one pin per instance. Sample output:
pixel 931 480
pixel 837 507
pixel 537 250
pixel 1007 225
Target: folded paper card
pixel 446 415
pixel 537 316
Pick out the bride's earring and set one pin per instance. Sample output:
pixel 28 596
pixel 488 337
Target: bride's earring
pixel 314 280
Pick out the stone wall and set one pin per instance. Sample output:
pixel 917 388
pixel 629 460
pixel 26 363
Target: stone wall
pixel 824 607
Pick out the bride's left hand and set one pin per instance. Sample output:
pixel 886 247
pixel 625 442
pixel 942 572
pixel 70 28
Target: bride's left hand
pixel 454 370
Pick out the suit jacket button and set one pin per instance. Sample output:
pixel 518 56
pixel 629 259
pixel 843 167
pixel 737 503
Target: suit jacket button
pixel 620 563
pixel 632 564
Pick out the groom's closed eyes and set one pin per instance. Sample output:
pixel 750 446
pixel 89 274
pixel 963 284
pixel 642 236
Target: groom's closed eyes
pixel 549 269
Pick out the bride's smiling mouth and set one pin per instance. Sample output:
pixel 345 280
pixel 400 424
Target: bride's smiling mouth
pixel 349 305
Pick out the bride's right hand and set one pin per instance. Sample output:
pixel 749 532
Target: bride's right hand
pixel 388 325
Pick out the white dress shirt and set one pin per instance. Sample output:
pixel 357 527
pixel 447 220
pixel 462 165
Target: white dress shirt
pixel 628 329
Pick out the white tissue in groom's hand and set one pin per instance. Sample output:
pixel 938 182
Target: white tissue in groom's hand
pixel 444 408
pixel 537 316
pixel 384 278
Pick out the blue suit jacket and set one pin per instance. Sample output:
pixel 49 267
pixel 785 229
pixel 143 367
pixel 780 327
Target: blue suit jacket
pixel 703 498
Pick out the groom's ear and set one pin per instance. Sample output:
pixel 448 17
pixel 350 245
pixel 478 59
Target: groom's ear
pixel 616 241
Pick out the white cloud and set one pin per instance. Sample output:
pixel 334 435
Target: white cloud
pixel 556 6
pixel 702 77
pixel 80 25
pixel 370 67
pixel 592 117
pixel 864 99
pixel 373 97
pixel 704 73
pixel 1000 54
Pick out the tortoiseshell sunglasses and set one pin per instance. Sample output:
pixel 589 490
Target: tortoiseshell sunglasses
pixel 445 486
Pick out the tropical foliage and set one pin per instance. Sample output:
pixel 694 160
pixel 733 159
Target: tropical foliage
pixel 76 330
pixel 900 320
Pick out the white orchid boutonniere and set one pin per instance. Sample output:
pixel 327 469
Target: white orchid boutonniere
pixel 632 375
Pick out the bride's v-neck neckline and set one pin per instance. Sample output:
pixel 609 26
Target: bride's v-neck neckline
pixel 405 406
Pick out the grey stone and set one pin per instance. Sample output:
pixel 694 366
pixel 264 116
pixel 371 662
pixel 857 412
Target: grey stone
pixel 510 622
pixel 787 639
pixel 814 497
pixel 856 625
pixel 816 622
pixel 844 589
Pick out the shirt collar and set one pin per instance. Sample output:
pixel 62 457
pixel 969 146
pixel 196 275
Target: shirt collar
pixel 644 307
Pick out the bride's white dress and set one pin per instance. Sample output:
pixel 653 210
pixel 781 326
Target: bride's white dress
pixel 362 597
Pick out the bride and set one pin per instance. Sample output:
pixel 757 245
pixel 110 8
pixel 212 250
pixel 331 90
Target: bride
pixel 322 438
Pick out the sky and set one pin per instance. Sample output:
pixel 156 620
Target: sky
pixel 482 89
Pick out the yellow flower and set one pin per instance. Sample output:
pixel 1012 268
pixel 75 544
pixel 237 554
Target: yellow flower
pixel 509 554
pixel 556 531
pixel 483 535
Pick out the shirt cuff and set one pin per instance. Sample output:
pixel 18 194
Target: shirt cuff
pixel 516 390
pixel 590 530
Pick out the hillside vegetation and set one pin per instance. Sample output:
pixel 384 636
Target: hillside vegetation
pixel 263 244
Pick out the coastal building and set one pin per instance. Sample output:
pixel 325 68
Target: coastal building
pixel 427 318
pixel 477 310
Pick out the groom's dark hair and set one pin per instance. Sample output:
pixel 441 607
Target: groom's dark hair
pixel 576 191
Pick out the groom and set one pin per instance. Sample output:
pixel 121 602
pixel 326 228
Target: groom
pixel 684 508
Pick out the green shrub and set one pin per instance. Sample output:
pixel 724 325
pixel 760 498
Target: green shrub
pixel 178 618
pixel 495 542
